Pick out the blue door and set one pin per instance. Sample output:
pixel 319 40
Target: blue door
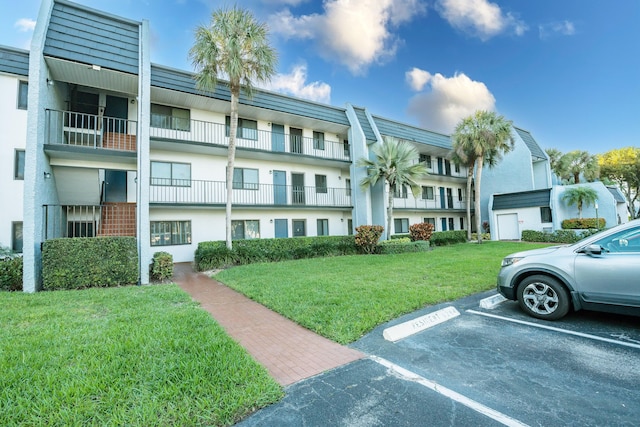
pixel 443 222
pixel 277 137
pixel 439 165
pixel 282 229
pixel 279 188
pixel 443 203
pixel 115 186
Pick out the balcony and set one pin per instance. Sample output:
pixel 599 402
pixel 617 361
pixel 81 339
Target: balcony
pixel 91 131
pixel 214 193
pixel 108 219
pixel 437 203
pixel 174 129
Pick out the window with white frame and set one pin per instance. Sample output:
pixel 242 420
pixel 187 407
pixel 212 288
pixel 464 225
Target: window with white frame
pixel 245 179
pixel 459 194
pixel 401 225
pixel 16 236
pixel 427 193
pixel 425 158
pixel 545 214
pixel 318 140
pixel 347 183
pixel 165 117
pixel 321 184
pixel 431 221
pixel 457 168
pixel 400 192
pixel 171 174
pixel 461 223
pixel 170 233
pixel 18 165
pixel 247 129
pixel 23 95
pixel 245 229
pixel 323 227
pixel 299 227
pixel 451 224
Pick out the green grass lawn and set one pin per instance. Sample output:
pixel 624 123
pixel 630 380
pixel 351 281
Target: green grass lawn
pixel 136 356
pixel 342 298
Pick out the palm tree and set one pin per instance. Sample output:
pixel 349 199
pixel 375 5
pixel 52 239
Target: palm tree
pixel 580 196
pixel 576 163
pixel 236 46
pixel 467 159
pixel 483 136
pixel 396 163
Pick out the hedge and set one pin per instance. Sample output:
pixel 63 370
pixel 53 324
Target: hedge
pixel 402 246
pixel 583 223
pixel 212 255
pixel 558 236
pixel 11 272
pixel 161 268
pixel 89 262
pixel 442 238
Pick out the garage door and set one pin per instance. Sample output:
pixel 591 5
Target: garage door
pixel 508 227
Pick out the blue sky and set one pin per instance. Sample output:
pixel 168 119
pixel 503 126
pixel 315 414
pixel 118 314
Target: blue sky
pixel 568 71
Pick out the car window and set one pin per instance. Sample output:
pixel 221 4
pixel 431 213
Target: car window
pixel 623 241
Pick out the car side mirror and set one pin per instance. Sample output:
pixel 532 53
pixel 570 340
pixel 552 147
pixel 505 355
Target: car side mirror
pixel 592 250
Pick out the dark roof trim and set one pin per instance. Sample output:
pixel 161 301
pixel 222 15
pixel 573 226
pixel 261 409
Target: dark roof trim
pixel 524 199
pixel 14 61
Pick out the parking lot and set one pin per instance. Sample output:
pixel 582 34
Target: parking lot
pixel 484 367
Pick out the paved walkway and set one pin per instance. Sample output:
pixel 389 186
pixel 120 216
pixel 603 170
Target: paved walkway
pixel 288 351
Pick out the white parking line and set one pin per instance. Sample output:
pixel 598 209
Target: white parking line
pixel 432 385
pixel 551 328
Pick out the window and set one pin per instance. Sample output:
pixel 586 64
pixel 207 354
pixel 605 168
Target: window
pixel 457 168
pixel 451 224
pixel 318 140
pixel 545 214
pixel 16 236
pixel 245 179
pixel 401 225
pixel 245 229
pixel 323 227
pixel 431 221
pixel 321 183
pixel 346 148
pixel 299 228
pixel 425 158
pixel 349 227
pixel 23 95
pixel 459 194
pixel 347 183
pixel 171 174
pixel 400 192
pixel 166 233
pixel 18 165
pixel 247 129
pixel 461 223
pixel 81 229
pixel 165 117
pixel 427 193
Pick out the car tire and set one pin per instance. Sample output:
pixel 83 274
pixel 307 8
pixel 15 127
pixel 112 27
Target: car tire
pixel 543 297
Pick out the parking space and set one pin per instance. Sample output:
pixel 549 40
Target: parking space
pixel 483 367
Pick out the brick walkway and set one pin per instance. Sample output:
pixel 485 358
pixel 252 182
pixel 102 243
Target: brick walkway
pixel 288 351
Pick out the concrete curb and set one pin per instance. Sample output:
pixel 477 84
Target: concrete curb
pixel 492 302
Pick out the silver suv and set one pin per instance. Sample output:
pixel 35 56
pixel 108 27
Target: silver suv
pixel 601 273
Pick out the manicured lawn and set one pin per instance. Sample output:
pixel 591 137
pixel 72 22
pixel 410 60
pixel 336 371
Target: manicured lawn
pixel 136 356
pixel 342 298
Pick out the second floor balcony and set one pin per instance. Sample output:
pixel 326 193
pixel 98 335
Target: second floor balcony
pixel 435 203
pixel 214 193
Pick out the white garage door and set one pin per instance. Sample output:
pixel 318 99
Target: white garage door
pixel 508 227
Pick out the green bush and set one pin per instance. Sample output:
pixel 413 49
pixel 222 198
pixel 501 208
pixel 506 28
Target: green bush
pixel 485 236
pixel 89 262
pixel 367 237
pixel 583 223
pixel 212 255
pixel 402 246
pixel 401 236
pixel 11 272
pixel 442 238
pixel 421 231
pixel 162 266
pixel 558 236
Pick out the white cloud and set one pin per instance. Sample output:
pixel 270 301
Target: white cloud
pixel 354 33
pixel 480 18
pixel 417 78
pixel 295 83
pixel 25 24
pixel 449 100
pixel 562 28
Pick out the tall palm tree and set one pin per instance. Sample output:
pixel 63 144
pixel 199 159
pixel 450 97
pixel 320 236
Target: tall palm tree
pixel 580 196
pixel 233 45
pixel 483 136
pixel 467 159
pixel 395 162
pixel 576 163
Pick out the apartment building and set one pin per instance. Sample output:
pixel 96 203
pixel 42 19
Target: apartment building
pixel 99 141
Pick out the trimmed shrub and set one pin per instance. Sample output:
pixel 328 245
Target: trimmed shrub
pixel 558 236
pixel 89 262
pixel 402 246
pixel 443 238
pixel 367 237
pixel 11 272
pixel 485 236
pixel 421 231
pixel 212 255
pixel 583 223
pixel 400 236
pixel 162 266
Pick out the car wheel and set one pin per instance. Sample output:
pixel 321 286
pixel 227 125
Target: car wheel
pixel 543 297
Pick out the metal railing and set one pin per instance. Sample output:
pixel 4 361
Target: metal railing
pixel 167 128
pixel 90 130
pixel 215 193
pixel 84 221
pixel 437 203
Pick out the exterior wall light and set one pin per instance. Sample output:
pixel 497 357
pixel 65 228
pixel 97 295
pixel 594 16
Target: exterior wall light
pixel 47 175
